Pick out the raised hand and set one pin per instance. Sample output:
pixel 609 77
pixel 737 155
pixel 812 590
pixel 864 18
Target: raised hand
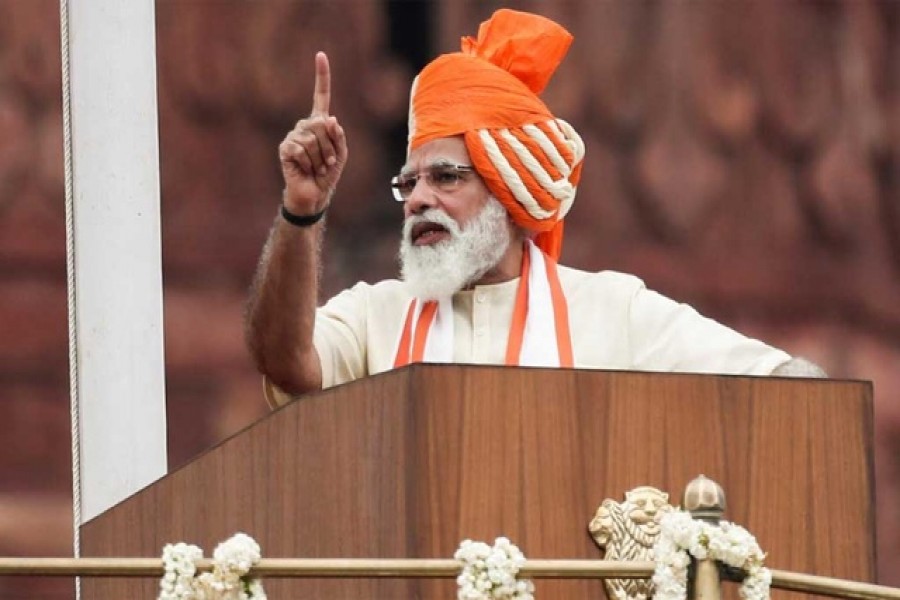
pixel 314 153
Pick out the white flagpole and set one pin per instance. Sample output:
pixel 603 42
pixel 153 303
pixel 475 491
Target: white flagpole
pixel 114 258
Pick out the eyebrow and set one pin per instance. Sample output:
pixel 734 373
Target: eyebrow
pixel 438 162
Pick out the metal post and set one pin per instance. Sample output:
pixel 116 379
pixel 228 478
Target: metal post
pixel 705 500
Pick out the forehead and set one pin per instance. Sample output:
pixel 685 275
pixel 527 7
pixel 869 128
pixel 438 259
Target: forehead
pixel 448 149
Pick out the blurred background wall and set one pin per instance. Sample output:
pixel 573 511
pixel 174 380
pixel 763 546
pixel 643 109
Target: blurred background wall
pixel 741 156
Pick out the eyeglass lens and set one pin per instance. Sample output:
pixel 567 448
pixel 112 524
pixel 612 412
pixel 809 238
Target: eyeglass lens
pixel 443 178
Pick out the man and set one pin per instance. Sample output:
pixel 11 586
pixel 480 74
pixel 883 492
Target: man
pixel 489 177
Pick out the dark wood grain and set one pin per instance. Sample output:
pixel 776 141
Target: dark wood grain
pixel 409 463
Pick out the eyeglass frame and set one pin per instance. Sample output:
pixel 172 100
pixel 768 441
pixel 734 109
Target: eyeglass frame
pixel 428 172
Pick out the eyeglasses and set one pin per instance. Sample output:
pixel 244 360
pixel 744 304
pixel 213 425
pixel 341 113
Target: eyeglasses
pixel 440 177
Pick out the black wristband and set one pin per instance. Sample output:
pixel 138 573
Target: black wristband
pixel 302 221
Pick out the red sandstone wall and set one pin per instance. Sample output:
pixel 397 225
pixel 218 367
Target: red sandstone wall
pixel 741 156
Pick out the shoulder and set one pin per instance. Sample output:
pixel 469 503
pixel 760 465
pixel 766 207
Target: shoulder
pixel 613 282
pixel 386 286
pixel 387 291
pixel 607 295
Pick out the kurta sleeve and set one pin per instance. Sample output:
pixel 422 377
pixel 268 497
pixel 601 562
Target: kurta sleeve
pixel 340 336
pixel 669 336
pixel 340 341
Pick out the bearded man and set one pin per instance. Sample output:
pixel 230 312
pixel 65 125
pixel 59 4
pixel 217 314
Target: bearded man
pixel 489 177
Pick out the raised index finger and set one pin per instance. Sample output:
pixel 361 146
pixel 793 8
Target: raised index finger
pixel 322 92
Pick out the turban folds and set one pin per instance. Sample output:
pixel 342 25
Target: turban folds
pixel 488 93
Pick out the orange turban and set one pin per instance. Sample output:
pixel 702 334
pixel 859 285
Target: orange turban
pixel 530 160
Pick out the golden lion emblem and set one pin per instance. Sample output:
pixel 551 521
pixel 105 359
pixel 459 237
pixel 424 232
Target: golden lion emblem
pixel 627 531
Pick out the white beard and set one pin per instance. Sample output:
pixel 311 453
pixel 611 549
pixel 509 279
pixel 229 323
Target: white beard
pixel 442 269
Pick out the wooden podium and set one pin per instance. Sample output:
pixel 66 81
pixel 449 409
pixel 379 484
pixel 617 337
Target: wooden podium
pixel 408 463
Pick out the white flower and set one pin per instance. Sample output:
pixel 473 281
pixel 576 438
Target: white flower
pixel 731 544
pixel 490 572
pixel 232 560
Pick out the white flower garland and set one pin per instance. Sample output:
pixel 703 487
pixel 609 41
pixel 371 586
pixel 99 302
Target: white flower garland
pixel 731 544
pixel 232 560
pixel 489 573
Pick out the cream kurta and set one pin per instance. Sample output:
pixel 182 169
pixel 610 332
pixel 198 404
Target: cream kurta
pixel 616 323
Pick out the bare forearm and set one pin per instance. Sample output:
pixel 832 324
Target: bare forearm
pixel 282 305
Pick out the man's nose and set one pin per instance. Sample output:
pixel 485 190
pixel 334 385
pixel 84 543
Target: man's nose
pixel 420 199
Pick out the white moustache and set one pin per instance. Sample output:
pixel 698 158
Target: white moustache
pixel 432 215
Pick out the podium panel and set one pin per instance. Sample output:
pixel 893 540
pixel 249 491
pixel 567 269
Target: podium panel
pixel 408 463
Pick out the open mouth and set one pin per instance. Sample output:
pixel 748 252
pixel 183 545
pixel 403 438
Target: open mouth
pixel 426 233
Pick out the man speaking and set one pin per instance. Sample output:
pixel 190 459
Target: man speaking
pixel 489 178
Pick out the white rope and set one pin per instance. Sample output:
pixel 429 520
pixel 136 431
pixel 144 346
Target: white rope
pixel 411 120
pixel 547 146
pixel 70 286
pixel 576 145
pixel 571 137
pixel 511 178
pixel 560 190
